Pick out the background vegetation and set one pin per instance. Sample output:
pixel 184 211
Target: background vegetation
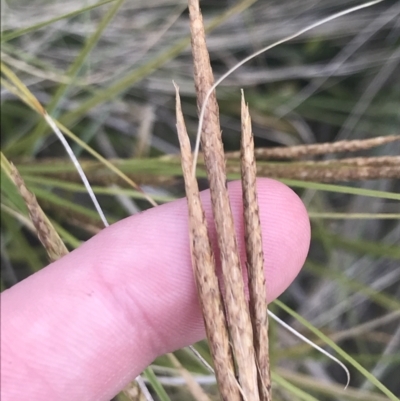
pixel 105 70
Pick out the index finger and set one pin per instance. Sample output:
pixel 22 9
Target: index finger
pixel 86 325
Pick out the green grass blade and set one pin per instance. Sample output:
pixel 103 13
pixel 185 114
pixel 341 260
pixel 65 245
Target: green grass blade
pixel 341 189
pixel 66 236
pixel 354 216
pixel 157 386
pixel 9 190
pixel 20 249
pixel 80 188
pixel 294 390
pixel 65 204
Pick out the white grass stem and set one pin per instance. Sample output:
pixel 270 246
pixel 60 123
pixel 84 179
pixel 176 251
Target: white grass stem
pixel 309 342
pixel 201 359
pixel 142 385
pixel 298 335
pixel 78 167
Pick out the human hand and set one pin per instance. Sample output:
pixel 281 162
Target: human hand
pixel 88 324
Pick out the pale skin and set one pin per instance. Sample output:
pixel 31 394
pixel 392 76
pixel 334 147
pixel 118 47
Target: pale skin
pixel 86 325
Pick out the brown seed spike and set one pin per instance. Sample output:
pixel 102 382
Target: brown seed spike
pixel 255 257
pixel 299 151
pixel 204 272
pixel 48 236
pixel 237 310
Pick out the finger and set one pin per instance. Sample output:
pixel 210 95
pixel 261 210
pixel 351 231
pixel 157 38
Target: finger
pixel 87 324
